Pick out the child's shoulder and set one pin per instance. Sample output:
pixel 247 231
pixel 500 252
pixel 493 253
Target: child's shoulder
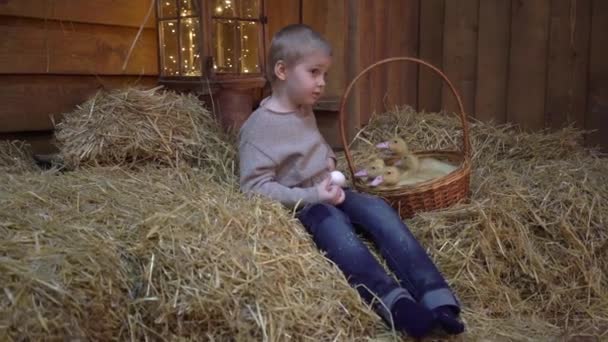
pixel 259 122
pixel 259 119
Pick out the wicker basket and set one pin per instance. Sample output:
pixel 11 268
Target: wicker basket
pixel 425 196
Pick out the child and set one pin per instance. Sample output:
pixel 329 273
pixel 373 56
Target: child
pixel 284 157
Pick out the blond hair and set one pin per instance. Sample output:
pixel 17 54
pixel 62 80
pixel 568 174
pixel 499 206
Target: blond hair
pixel 292 43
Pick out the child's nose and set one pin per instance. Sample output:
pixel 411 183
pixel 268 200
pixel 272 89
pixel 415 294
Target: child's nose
pixel 321 81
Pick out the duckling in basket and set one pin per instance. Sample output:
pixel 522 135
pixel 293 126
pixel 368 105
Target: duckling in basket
pixel 372 170
pixel 393 177
pixel 402 157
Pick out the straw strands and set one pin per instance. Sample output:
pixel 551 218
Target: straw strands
pixel 533 240
pixel 166 251
pixel 107 254
pixel 16 157
pixel 132 126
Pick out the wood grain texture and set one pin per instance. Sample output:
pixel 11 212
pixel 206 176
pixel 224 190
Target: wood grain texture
pixel 432 15
pixel 402 77
pixel 493 60
pixel 329 19
pixel 280 13
pixel 528 63
pixel 568 63
pixel 32 46
pixel 108 12
pixel 29 102
pixel 596 117
pixel 460 53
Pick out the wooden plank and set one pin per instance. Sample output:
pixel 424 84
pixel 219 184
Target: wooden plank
pixel 366 53
pixel 528 63
pixel 432 14
pixel 402 37
pixel 492 60
pixel 109 12
pixel 353 62
pixel 597 106
pixel 280 13
pixel 378 27
pixel 460 53
pixel 28 102
pixel 328 18
pixel 32 46
pixel 568 57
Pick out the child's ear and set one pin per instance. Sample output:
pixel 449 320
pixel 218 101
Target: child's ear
pixel 280 70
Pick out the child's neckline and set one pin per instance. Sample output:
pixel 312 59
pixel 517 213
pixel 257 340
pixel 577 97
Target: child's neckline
pixel 299 111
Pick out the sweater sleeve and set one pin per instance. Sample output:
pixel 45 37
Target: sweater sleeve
pixel 258 176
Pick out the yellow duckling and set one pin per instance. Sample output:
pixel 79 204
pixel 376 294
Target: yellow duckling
pixel 392 177
pixel 373 169
pixel 410 162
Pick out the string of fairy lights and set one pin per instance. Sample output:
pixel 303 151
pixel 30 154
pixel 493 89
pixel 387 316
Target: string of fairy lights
pixel 235 41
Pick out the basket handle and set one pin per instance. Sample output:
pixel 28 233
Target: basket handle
pixel 466 149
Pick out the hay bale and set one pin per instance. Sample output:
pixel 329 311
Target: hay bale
pixel 16 157
pixel 132 126
pixel 532 241
pixel 112 254
pixel 153 253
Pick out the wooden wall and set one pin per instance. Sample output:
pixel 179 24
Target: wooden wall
pixel 54 54
pixel 541 63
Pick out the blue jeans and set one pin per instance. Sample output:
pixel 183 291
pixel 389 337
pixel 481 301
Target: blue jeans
pixel 334 230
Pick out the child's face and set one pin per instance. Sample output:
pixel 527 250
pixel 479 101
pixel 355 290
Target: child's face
pixel 305 81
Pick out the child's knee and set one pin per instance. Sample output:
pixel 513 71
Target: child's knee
pixel 318 213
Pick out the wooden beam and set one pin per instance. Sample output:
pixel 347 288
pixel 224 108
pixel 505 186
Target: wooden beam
pixel 402 37
pixel 109 12
pixel 328 18
pixel 432 15
pixel 29 102
pixel 460 53
pixel 568 63
pixel 280 13
pixel 32 46
pixel 597 107
pixel 528 63
pixel 493 60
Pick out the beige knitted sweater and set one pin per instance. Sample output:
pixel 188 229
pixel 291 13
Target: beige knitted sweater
pixel 283 156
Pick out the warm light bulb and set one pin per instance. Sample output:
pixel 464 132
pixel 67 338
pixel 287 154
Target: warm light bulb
pixel 219 9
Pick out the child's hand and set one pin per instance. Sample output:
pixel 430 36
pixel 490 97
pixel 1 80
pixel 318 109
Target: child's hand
pixel 331 164
pixel 328 193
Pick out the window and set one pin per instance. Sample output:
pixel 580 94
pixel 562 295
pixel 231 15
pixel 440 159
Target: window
pixel 215 37
pixel 236 36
